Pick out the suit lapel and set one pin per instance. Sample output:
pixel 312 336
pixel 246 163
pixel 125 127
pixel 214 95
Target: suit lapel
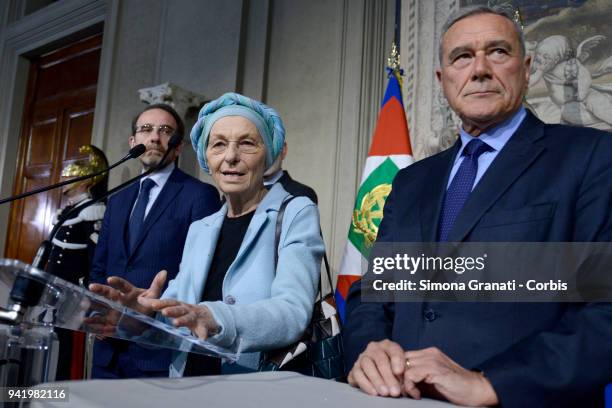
pixel 165 197
pixel 510 163
pixel 432 195
pixel 270 204
pixel 257 223
pixel 207 243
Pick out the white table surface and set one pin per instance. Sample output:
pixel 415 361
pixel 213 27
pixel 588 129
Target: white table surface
pixel 269 389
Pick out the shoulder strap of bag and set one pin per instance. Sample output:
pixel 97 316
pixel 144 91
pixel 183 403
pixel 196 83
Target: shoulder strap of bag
pixel 327 269
pixel 279 228
pixel 277 234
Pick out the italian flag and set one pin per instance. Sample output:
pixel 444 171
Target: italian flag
pixel 390 151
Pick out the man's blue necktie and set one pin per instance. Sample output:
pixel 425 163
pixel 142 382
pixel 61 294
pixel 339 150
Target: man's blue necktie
pixel 461 186
pixel 138 215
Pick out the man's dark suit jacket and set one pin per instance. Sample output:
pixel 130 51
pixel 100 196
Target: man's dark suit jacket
pixel 182 200
pixel 297 189
pixel 549 183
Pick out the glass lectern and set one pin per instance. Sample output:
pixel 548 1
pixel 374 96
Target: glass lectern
pixel 33 302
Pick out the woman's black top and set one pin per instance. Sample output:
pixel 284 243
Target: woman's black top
pixel 231 236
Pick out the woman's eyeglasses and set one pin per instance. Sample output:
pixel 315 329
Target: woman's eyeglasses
pixel 247 146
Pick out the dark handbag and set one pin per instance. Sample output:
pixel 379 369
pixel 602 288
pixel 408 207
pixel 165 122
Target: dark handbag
pixel 319 351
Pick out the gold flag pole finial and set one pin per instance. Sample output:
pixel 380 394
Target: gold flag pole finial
pixel 393 61
pixel 518 18
pixel 393 64
pixel 508 7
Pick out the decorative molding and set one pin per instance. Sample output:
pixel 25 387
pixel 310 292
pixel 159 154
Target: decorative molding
pixel 173 95
pixel 348 125
pixel 433 125
pixel 33 32
pixel 376 48
pixel 109 40
pixel 160 44
pixel 4 18
pixel 54 22
pixel 256 49
pixel 444 120
pixel 15 10
pixel 408 47
pixel 364 45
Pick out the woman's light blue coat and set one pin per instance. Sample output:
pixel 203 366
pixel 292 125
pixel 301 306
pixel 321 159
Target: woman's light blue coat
pixel 262 308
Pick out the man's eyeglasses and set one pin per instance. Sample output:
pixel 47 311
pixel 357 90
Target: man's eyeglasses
pixel 247 146
pixel 147 128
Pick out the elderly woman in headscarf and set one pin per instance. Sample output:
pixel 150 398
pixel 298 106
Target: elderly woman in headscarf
pixel 234 285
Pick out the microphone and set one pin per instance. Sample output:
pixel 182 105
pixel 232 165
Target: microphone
pixel 44 250
pixel 174 141
pixel 134 152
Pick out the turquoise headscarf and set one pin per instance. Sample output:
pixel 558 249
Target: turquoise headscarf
pixel 266 119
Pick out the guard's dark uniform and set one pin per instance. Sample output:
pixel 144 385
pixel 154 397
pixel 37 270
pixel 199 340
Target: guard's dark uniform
pixel 70 258
pixel 74 244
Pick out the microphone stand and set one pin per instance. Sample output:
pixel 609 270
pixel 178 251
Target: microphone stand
pixel 44 250
pixel 133 153
pixel 25 365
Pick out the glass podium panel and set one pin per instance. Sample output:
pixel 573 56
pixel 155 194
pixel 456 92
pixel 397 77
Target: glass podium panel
pixel 63 304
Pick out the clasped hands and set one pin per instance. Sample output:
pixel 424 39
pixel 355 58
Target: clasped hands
pixel 385 369
pixel 196 318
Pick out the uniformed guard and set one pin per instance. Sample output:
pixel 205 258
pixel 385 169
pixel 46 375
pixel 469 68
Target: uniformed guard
pixel 73 249
pixel 75 241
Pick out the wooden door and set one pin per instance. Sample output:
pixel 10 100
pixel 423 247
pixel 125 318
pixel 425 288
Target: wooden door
pixel 57 120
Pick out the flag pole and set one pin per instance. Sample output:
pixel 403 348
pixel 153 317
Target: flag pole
pixel 398 24
pixel 389 152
